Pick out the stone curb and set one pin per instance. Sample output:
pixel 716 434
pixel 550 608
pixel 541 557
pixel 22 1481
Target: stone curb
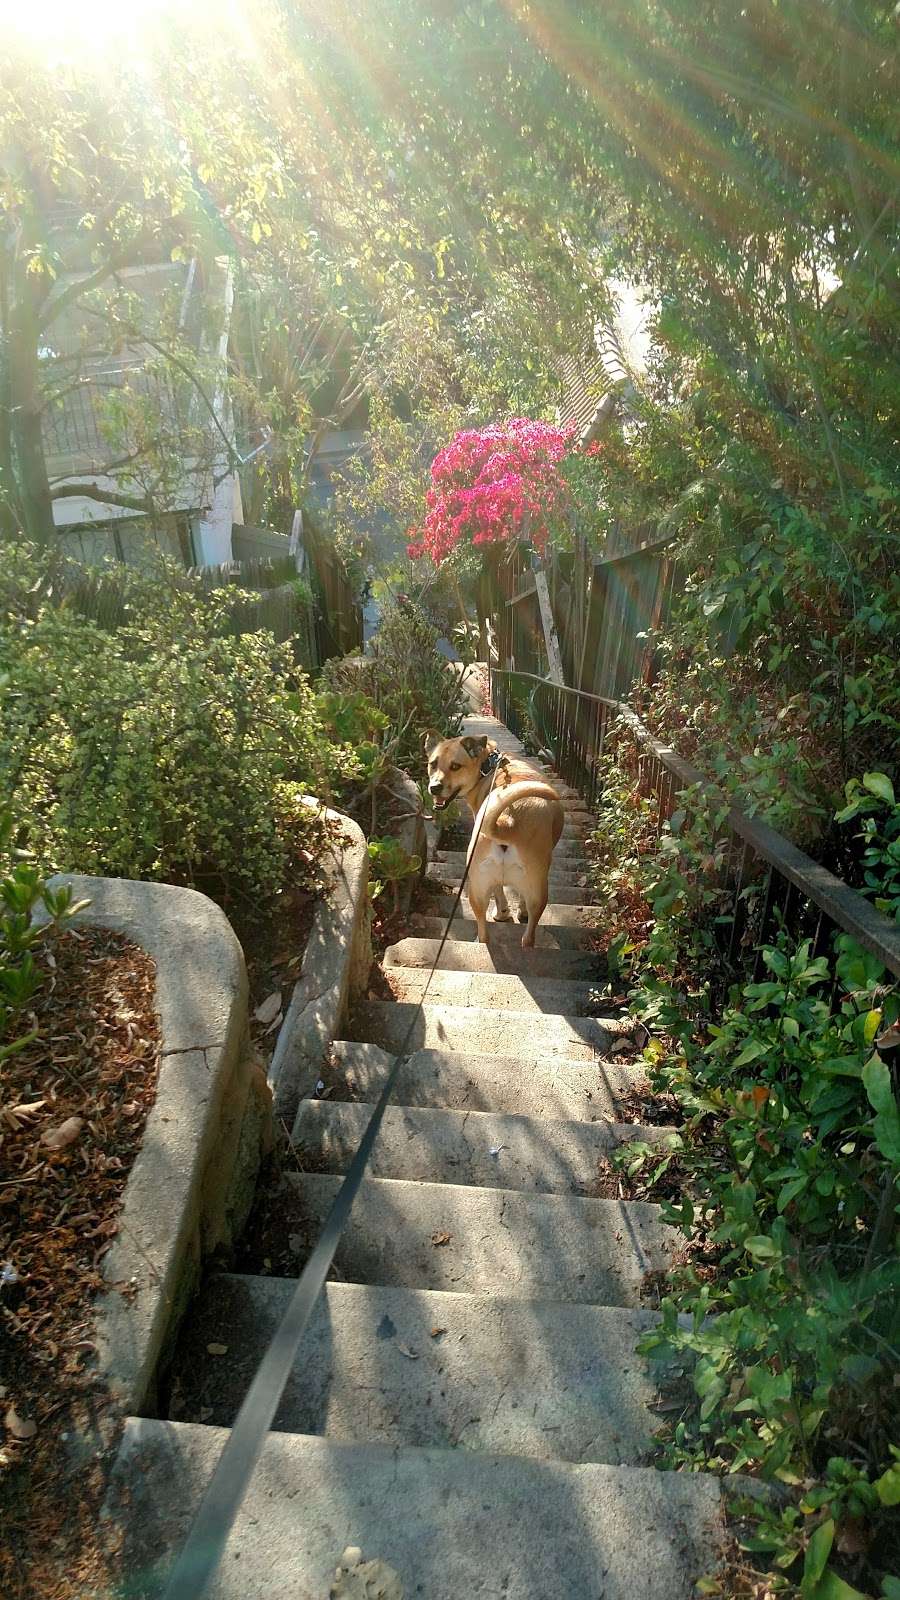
pixel 191 1184
pixel 335 971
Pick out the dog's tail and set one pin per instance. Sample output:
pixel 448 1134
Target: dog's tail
pixel 499 799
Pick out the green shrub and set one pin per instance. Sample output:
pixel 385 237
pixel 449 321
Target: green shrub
pixel 783 1321
pixel 406 678
pixel 872 801
pixel 790 1159
pixel 22 889
pixel 163 749
pixel 390 863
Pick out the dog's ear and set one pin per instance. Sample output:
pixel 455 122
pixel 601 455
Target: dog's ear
pixel 475 747
pixel 429 741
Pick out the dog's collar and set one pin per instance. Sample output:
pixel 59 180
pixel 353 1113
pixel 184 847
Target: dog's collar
pixel 490 763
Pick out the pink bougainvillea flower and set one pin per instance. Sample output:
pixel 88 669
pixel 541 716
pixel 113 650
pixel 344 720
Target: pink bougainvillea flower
pixel 495 483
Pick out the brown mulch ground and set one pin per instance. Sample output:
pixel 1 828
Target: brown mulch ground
pixel 95 1060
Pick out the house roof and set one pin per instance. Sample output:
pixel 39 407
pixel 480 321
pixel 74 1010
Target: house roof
pixel 611 359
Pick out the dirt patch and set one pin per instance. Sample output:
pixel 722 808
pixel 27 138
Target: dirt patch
pixel 387 926
pixel 95 1059
pixel 279 1236
pixel 660 1110
pixel 378 811
pixel 430 897
pixel 274 946
pixel 456 836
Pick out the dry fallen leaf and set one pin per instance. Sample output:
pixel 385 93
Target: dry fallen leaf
pixel 20 1427
pixel 852 1537
pixel 356 1579
pixel 441 1237
pixel 276 1022
pixel 65 1134
pixel 217 1349
pixel 889 1039
pixel 404 1349
pixel 436 1332
pixel 15 1116
pixel 269 1008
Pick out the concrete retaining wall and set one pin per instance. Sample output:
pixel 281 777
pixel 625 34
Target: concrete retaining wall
pixel 335 972
pixel 192 1183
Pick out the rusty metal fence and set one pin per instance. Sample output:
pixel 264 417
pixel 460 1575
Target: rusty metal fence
pixel 766 883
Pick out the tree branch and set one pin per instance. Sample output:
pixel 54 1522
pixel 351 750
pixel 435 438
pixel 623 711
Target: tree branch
pixel 124 258
pixel 107 497
pixel 186 371
pixel 109 468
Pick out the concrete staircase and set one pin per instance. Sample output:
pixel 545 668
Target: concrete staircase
pixel 467 1406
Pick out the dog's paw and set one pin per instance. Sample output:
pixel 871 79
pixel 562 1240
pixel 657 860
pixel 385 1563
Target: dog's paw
pixel 503 916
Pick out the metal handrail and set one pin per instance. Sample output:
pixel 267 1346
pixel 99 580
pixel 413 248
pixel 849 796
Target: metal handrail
pixel 838 904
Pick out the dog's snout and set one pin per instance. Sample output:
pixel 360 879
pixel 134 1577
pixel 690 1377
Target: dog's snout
pixel 435 785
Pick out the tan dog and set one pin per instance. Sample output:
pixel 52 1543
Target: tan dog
pixel 518 821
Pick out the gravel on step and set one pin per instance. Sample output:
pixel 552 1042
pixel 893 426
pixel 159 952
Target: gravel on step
pixel 448 1523
pixel 436 1145
pixel 419 1367
pixel 486 1241
pixel 554 1087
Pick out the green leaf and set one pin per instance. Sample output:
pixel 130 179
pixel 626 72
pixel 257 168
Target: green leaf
pixel 831 1587
pixel 790 1191
pixel 886 1126
pixel 879 784
pixel 752 1049
pixel 887 1487
pixel 761 1248
pixel 872 1023
pixel 877 1080
pixel 817 1552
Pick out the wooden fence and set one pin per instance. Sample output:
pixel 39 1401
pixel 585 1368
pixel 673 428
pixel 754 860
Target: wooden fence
pixel 338 614
pixel 331 624
pixel 317 614
pixel 607 609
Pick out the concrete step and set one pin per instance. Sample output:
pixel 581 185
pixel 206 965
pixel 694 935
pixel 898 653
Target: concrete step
pixel 484 1241
pixel 495 991
pixel 553 932
pixel 417 1367
pixel 565 870
pixel 573 805
pixel 562 891
pixel 460 955
pixel 525 1035
pixel 448 1523
pixel 586 1091
pixel 574 809
pixel 484 1148
pixel 568 849
pixel 572 828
